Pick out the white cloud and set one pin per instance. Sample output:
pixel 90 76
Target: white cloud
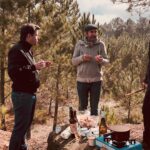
pixel 104 18
pixel 105 10
pixel 86 5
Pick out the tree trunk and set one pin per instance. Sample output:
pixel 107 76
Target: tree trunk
pixel 29 13
pixel 2 72
pixel 67 92
pixel 129 109
pixel 50 107
pixel 130 98
pixel 56 100
pixel 52 145
pixel 2 78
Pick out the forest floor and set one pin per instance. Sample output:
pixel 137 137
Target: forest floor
pixel 40 134
pixel 38 141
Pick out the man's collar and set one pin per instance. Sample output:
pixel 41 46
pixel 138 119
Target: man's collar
pixel 27 46
pixel 90 44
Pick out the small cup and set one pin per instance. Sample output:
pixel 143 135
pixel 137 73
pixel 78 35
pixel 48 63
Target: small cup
pixel 91 141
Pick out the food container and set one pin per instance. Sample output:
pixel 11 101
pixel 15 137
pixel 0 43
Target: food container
pixel 84 131
pixel 66 133
pixel 95 131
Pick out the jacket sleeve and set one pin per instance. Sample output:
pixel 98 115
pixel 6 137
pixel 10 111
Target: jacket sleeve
pixel 103 53
pixel 77 57
pixel 147 76
pixel 147 73
pixel 16 69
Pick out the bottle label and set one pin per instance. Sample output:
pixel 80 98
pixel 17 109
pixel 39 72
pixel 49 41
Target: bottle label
pixel 73 128
pixel 102 114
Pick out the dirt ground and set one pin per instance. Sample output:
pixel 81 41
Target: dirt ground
pixel 38 141
pixel 40 134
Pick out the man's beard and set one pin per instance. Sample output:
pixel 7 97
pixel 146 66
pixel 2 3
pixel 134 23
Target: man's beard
pixel 92 39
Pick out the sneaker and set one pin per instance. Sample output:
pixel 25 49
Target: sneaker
pixel 81 112
pixel 87 112
pixel 84 112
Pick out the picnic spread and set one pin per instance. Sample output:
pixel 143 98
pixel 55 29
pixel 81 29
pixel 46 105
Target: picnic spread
pixel 86 129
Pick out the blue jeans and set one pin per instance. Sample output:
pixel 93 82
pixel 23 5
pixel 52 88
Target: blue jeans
pixel 24 106
pixel 89 89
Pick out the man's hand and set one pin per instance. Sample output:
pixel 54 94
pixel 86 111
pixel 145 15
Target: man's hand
pixel 42 64
pixel 48 63
pixel 86 57
pixel 98 58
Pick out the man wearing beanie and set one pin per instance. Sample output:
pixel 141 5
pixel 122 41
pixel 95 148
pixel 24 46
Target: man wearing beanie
pixel 89 57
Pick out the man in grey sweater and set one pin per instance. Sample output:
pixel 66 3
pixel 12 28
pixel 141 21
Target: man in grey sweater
pixel 89 56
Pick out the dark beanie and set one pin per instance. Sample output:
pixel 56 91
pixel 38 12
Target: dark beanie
pixel 89 27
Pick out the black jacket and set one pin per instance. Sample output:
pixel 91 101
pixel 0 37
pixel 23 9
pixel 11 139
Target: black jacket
pixel 147 76
pixel 21 68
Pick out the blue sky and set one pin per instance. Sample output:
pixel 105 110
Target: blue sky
pixel 105 10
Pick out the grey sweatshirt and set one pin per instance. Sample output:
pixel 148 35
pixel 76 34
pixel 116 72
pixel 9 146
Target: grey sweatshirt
pixel 89 71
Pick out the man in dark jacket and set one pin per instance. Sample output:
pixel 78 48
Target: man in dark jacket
pixel 23 71
pixel 146 109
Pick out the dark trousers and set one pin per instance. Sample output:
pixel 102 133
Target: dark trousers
pixel 91 90
pixel 24 106
pixel 146 117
